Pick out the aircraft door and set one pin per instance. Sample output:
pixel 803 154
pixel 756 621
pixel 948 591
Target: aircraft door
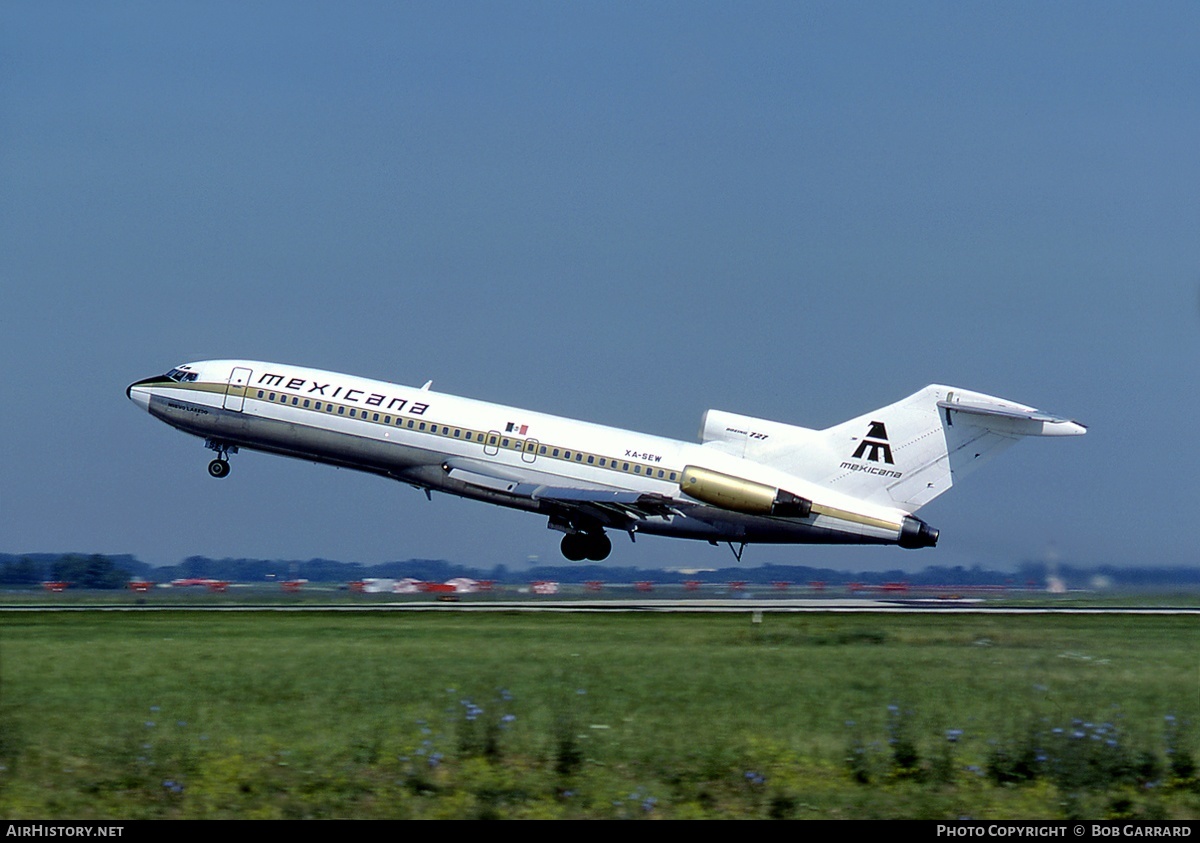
pixel 235 392
pixel 491 445
pixel 530 451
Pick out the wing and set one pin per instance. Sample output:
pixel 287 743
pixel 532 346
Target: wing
pixel 611 507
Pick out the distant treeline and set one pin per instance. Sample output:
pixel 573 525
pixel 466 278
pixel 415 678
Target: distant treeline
pixel 102 571
pixel 84 571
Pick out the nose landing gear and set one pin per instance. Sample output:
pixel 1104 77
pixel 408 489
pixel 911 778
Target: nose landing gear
pixel 220 466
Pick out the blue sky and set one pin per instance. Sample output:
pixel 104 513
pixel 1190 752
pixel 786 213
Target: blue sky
pixel 622 212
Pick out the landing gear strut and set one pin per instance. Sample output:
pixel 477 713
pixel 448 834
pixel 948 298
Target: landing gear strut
pixel 579 546
pixel 220 466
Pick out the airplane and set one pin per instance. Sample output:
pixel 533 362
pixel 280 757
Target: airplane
pixel 748 480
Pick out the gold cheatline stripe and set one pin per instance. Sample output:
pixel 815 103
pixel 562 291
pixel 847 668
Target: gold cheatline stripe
pixel 844 515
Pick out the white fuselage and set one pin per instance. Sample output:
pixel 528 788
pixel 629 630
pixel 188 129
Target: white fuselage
pixel 518 458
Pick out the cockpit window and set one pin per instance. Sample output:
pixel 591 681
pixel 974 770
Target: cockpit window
pixel 181 376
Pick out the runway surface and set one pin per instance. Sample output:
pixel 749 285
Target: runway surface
pixel 747 605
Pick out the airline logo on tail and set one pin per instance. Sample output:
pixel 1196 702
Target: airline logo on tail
pixel 875 446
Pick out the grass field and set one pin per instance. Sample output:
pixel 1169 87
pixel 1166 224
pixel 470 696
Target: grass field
pixel 323 714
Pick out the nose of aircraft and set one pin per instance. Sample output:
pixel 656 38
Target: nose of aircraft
pixel 138 393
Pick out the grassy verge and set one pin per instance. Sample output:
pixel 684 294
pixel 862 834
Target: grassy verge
pixel 176 714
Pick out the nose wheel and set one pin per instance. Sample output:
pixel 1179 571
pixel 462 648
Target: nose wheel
pixel 220 466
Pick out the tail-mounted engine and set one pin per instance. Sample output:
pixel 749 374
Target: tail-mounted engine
pixel 740 495
pixel 916 533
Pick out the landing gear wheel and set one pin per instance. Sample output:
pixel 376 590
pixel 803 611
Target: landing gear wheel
pixel 574 547
pixel 579 546
pixel 220 466
pixel 598 547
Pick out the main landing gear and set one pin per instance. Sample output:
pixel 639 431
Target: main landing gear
pixel 220 466
pixel 592 546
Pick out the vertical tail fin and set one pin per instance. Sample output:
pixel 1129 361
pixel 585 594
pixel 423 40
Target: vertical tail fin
pixel 908 453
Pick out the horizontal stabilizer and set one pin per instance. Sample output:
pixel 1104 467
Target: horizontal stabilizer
pixel 1036 423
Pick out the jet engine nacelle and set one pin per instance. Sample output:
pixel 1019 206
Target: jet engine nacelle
pixel 741 495
pixel 915 533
